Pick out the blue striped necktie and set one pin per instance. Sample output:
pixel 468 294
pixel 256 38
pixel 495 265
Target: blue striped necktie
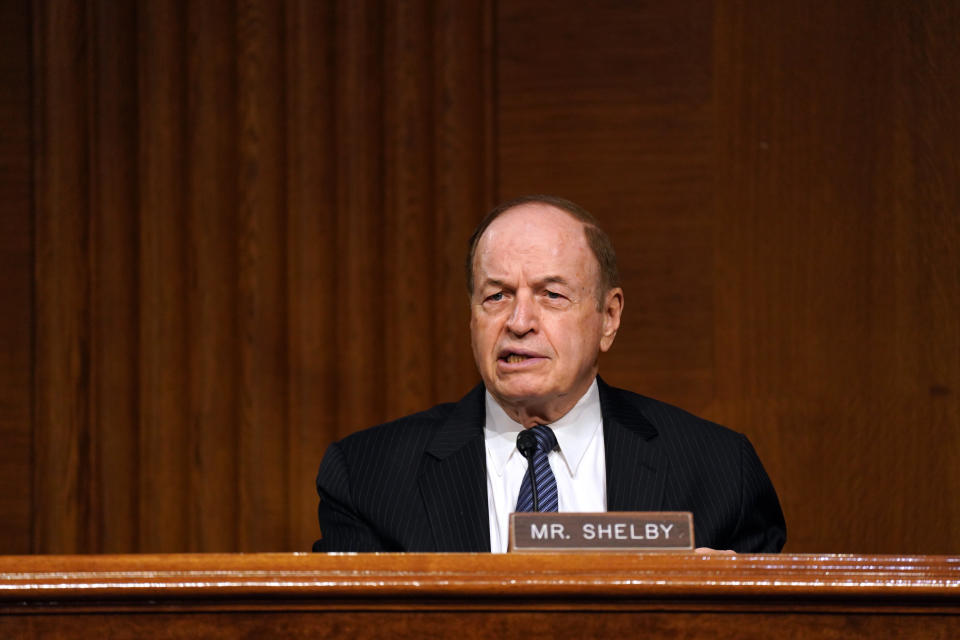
pixel 546 482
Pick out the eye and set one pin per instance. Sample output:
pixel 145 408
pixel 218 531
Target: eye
pixel 496 297
pixel 553 295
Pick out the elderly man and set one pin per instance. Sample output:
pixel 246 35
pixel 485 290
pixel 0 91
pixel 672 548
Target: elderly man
pixel 545 302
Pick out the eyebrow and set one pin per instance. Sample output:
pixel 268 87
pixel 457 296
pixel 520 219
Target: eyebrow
pixel 493 282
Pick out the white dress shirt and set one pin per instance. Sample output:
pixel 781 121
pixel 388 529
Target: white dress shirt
pixel 579 464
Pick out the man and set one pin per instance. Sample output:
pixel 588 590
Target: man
pixel 545 302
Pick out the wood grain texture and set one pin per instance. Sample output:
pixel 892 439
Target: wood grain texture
pixel 235 260
pixel 212 228
pixel 479 595
pixel 635 581
pixel 164 325
pixel 62 446
pixel 113 257
pixel 836 265
pixel 16 285
pixel 261 185
pixel 214 286
pixel 475 624
pixel 408 205
pixel 359 68
pixel 236 233
pixel 311 255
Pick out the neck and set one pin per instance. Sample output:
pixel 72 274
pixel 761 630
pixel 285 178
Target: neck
pixel 530 412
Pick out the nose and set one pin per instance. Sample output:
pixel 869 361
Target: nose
pixel 524 317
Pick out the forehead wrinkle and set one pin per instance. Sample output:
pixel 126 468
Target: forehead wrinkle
pixel 580 273
pixel 495 282
pixel 547 239
pixel 545 280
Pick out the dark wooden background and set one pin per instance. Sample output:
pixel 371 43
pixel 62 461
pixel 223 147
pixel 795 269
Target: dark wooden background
pixel 232 231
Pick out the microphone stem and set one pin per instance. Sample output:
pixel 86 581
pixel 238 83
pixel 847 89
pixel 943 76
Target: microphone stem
pixel 533 484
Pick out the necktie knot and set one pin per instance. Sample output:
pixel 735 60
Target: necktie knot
pixel 546 439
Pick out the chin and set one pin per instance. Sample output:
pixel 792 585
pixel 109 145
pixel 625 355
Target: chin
pixel 519 391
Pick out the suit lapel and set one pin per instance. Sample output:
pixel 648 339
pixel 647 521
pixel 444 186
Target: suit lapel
pixel 453 482
pixel 453 474
pixel 636 466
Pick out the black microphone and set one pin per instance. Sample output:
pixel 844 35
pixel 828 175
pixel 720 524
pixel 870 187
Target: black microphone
pixel 527 446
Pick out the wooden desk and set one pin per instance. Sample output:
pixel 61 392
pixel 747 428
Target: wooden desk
pixel 480 595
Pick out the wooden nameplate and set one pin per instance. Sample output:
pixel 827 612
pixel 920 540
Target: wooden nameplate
pixel 609 531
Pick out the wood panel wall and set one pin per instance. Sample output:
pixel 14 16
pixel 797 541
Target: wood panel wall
pixel 16 279
pixel 837 257
pixel 233 230
pixel 249 222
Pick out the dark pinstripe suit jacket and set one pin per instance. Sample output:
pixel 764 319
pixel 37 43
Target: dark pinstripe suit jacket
pixel 419 483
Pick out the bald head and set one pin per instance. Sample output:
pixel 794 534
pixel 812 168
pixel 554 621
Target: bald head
pixel 597 240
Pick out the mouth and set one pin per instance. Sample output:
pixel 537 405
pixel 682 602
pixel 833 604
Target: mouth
pixel 517 357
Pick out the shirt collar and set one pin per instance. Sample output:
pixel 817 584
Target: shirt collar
pixel 574 431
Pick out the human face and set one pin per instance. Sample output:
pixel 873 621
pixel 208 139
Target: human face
pixel 535 325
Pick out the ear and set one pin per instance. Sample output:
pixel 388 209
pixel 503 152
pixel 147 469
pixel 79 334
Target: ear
pixel 612 308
